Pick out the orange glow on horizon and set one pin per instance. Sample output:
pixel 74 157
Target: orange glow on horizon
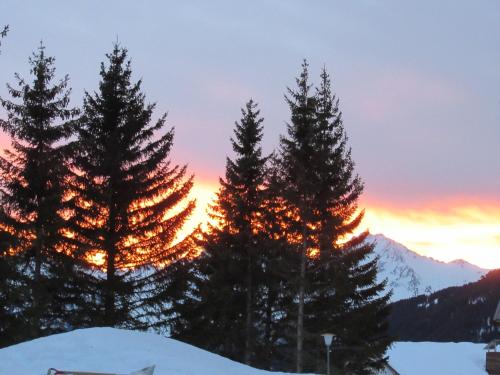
pixel 448 230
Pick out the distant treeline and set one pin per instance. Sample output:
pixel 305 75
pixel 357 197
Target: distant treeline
pixel 91 208
pixel 453 314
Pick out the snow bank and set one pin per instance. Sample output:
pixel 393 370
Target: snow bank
pixel 433 358
pixel 115 350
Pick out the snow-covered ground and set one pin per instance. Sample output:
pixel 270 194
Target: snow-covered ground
pixel 410 274
pixel 116 351
pixel 436 358
pixel 121 351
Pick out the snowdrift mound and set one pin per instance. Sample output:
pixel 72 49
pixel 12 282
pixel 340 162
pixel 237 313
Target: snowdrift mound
pixel 122 351
pixel 115 350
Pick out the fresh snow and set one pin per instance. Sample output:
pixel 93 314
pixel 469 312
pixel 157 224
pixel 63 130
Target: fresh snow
pixel 433 358
pixel 121 351
pixel 410 274
pixel 115 351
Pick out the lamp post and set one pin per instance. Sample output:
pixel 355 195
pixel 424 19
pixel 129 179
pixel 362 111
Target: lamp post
pixel 327 337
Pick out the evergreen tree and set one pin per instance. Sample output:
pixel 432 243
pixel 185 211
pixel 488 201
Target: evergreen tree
pixel 229 270
pixel 7 269
pixel 129 203
pixel 31 217
pixel 10 292
pixel 346 298
pixel 335 284
pixel 298 184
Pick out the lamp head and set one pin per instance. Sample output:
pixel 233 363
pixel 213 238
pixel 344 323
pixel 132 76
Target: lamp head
pixel 328 337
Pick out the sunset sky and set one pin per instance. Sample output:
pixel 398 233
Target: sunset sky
pixel 418 82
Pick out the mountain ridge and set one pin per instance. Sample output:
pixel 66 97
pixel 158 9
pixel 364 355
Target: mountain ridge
pixel 410 274
pixel 460 313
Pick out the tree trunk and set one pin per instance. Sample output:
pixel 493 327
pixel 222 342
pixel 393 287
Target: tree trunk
pixel 110 285
pixel 109 298
pixel 300 313
pixel 249 313
pixel 36 290
pixel 269 316
pixel 110 318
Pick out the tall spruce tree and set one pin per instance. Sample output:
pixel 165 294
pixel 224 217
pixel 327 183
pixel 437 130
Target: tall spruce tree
pixel 298 184
pixel 335 284
pixel 31 218
pixel 129 203
pixel 7 271
pixel 229 270
pixel 345 296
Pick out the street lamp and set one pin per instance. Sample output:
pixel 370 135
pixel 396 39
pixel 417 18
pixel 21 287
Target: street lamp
pixel 328 337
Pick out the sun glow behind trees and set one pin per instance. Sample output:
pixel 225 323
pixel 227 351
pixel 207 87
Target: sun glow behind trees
pixel 203 193
pixel 447 230
pixel 465 228
pixel 462 231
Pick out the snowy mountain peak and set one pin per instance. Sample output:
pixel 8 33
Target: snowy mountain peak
pixel 410 274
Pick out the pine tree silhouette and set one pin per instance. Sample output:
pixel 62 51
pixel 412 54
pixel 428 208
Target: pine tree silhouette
pixel 128 202
pixel 221 314
pixel 334 285
pixel 33 188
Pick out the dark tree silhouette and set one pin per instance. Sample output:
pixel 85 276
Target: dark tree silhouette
pixel 228 274
pixel 33 173
pixel 128 202
pixel 335 285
